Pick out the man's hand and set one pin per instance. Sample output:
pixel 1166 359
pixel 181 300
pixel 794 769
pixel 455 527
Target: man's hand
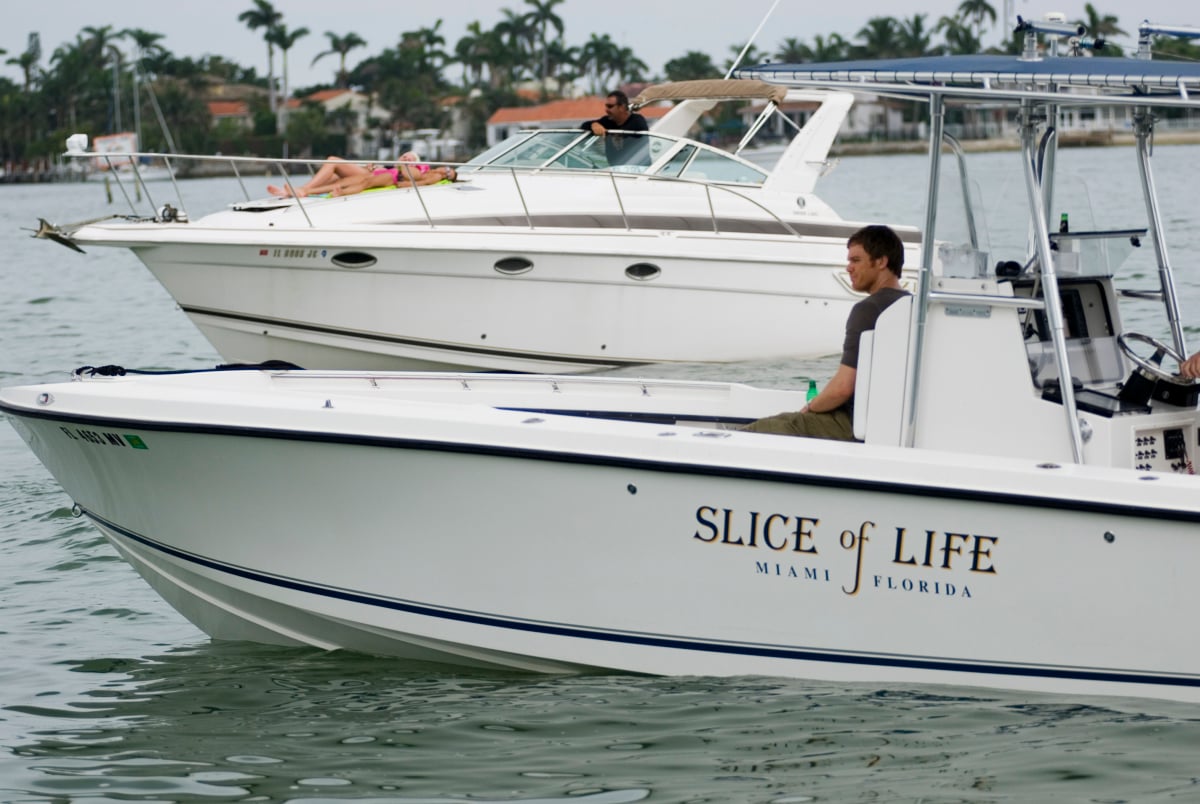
pixel 599 130
pixel 1190 368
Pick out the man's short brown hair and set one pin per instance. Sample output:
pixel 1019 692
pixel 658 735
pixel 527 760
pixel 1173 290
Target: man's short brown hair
pixel 880 241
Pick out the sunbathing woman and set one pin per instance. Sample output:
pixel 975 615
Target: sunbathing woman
pixel 337 170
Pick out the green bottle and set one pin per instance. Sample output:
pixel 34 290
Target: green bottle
pixel 812 389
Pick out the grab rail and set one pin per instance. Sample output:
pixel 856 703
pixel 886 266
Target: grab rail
pixel 235 165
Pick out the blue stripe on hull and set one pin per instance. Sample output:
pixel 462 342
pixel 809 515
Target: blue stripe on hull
pixel 795 654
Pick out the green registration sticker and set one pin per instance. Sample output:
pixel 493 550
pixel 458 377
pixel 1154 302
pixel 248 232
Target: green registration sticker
pixel 136 442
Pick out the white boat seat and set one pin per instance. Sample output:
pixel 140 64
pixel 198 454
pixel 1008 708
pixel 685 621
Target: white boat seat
pixel 879 382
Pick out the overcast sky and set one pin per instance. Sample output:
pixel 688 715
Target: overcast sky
pixel 656 30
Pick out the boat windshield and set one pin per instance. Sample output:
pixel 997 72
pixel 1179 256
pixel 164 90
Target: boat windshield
pixel 642 152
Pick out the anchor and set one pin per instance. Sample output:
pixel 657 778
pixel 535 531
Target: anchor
pixel 48 231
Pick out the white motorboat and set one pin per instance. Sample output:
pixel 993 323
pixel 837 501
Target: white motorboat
pixel 993 527
pixel 545 257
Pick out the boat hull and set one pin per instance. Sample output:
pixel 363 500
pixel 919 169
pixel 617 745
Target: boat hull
pixel 529 539
pixel 431 302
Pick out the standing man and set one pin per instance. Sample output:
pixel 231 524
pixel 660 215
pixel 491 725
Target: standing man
pixel 620 148
pixel 874 257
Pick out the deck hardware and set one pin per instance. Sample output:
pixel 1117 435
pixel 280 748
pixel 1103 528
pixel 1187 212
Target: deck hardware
pixel 533 420
pixel 969 310
pixel 632 489
pixel 328 403
pixel 1109 536
pixel 45 398
pixel 1049 466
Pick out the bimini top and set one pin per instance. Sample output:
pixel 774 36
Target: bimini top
pixel 1077 79
pixel 711 89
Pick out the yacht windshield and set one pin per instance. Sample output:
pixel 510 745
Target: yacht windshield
pixel 638 152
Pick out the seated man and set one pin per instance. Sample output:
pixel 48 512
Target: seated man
pixel 874 257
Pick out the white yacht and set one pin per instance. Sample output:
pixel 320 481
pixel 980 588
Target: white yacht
pixel 543 257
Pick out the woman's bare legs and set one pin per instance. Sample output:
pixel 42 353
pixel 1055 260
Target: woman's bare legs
pixel 335 168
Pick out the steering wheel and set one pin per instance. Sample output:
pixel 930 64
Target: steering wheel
pixel 1151 365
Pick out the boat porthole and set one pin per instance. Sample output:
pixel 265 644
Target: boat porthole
pixel 643 271
pixel 512 266
pixel 353 259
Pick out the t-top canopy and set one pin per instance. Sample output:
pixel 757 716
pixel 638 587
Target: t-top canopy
pixel 1134 77
pixel 711 89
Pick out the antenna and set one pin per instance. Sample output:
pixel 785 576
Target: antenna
pixel 753 36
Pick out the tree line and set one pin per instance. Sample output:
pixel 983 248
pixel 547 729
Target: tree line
pixel 105 79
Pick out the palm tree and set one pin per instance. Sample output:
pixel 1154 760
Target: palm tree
pixel 752 56
pixel 629 67
pixel 596 58
pixel 72 67
pixel 264 16
pixel 914 39
pixel 281 37
pixel 881 38
pixel 430 40
pixel 144 42
pixel 960 39
pixel 831 48
pixel 1100 25
pixel 99 46
pixel 974 12
pixel 563 62
pixel 793 51
pixel 471 52
pixel 540 18
pixel 690 66
pixel 519 39
pixel 341 45
pixel 27 62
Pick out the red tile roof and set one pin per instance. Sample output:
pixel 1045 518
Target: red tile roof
pixel 228 108
pixel 322 95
